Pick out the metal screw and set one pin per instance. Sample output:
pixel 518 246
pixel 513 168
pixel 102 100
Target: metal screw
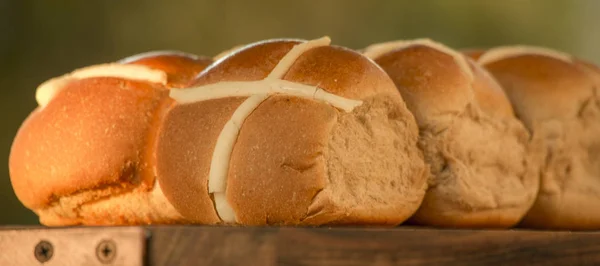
pixel 106 251
pixel 43 251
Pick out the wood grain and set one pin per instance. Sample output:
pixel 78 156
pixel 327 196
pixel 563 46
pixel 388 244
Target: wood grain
pixel 359 246
pixel 214 245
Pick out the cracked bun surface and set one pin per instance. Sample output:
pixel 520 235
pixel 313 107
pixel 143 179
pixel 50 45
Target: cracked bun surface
pixel 294 160
pixel 557 97
pixel 483 165
pixel 86 155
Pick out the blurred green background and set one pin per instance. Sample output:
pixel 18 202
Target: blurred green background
pixel 43 39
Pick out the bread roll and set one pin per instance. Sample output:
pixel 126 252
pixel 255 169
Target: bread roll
pixel 290 132
pixel 484 168
pixel 556 96
pixel 85 155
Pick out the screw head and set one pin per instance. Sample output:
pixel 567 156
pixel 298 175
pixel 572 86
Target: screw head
pixel 43 251
pixel 106 251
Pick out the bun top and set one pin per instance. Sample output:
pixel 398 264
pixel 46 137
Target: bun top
pixel 436 80
pixel 541 83
pixel 91 133
pixel 335 69
pixel 180 67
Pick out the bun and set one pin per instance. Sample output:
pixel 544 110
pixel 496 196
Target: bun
pixel 86 154
pixel 289 132
pixel 483 168
pixel 556 96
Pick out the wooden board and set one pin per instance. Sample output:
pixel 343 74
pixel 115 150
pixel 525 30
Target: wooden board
pixel 72 246
pixel 205 245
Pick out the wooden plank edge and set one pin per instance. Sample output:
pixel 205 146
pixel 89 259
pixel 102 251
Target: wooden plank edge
pixel 204 245
pixel 221 245
pixel 108 246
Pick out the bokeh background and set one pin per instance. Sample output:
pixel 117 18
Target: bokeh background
pixel 43 39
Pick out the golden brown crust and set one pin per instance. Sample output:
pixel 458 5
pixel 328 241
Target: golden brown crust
pixel 279 161
pixel 274 176
pixel 91 135
pixel 255 62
